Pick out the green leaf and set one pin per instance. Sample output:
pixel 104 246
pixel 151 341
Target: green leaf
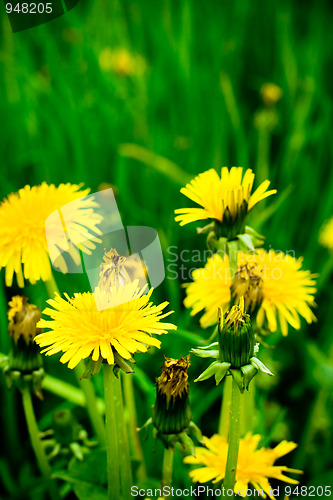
pixel 88 477
pixel 158 163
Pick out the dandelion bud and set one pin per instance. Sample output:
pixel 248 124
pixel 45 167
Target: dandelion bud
pixel 24 364
pixel 236 337
pixel 23 318
pixel 237 351
pixel 248 284
pixel 171 413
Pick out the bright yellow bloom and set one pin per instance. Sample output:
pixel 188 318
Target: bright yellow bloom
pixel 326 234
pixel 217 196
pixel 121 62
pixel 255 466
pixel 270 93
pixel 22 228
pixel 102 323
pixel 288 289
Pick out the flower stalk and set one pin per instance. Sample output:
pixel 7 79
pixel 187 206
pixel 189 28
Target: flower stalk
pixel 224 420
pixel 36 443
pixel 167 469
pixel 125 467
pixel 132 424
pixel 113 466
pixel 234 439
pixel 86 385
pixel 92 405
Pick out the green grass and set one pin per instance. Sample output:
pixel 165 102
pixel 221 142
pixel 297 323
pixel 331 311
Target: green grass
pixel 65 120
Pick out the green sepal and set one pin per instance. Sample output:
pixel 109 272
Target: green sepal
pixel 196 432
pixel 248 371
pixel 202 353
pixel 220 245
pixel 252 232
pixel 21 380
pixel 186 443
pixel 207 229
pixel 126 365
pixel 221 372
pixel 92 367
pixel 216 369
pixel 247 241
pixel 77 451
pixel 260 366
pixel 238 378
pixel 209 372
pixel 214 344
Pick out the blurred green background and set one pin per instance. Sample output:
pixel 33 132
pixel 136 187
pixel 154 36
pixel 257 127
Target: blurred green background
pixel 188 100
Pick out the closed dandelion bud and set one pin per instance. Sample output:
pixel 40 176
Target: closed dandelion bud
pixel 24 364
pixel 248 283
pixel 23 317
pixel 237 351
pixel 171 413
pixel 236 337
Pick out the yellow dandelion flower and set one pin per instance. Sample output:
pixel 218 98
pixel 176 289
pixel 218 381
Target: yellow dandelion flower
pixel 102 324
pixel 326 234
pixel 270 93
pixel 287 289
pixel 255 465
pixel 121 61
pixel 228 197
pixel 22 229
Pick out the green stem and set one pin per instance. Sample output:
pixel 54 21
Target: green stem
pixel 37 446
pixel 113 471
pixel 123 444
pixel 264 141
pixel 232 255
pixel 51 287
pixel 92 405
pixel 234 438
pixel 86 385
pixel 132 423
pixel 226 396
pixel 167 467
pixel 325 273
pixel 248 409
pixel 225 408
